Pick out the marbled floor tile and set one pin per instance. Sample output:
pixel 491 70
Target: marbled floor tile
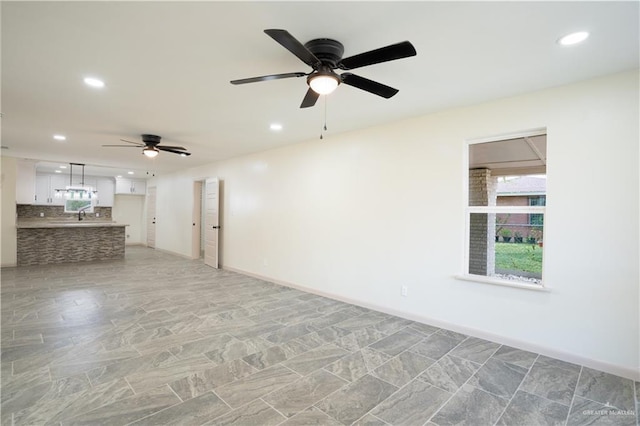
pixel 304 392
pixel 193 412
pixel 356 399
pixel 290 332
pixel 435 346
pixel 529 409
pixel 452 334
pixel 43 393
pixel 365 320
pixel 449 373
pixel 397 342
pixel 552 379
pixel 391 325
pixel 606 389
pixel 312 340
pixel 476 350
pixel 129 366
pixel 163 343
pixel 83 361
pixel 253 414
pixel 132 336
pixel 330 319
pixel 311 417
pixel 370 420
pixel 471 403
pixel 68 406
pixel 353 366
pixel 168 372
pixel 314 359
pixel 266 358
pixel 359 339
pixel 251 331
pixel 202 381
pixel 498 378
pixel 585 412
pixel 424 329
pixel 412 405
pixel 12 383
pixel 256 385
pixel 515 356
pixel 332 334
pixel 236 349
pixel 200 346
pixel 403 368
pixel 128 410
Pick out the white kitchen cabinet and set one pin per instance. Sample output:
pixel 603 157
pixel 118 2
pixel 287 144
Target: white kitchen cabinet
pixel 25 182
pixel 106 189
pixel 46 186
pixel 131 186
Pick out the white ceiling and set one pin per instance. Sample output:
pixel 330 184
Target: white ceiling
pixel 167 67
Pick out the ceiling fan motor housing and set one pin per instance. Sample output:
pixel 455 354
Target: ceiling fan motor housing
pixel 327 50
pixel 152 140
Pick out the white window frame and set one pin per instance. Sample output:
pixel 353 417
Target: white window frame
pixel 468 210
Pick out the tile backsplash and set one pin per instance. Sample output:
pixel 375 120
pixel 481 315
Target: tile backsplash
pixel 32 211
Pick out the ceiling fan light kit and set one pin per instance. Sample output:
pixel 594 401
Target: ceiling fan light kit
pixel 324 55
pixel 151 146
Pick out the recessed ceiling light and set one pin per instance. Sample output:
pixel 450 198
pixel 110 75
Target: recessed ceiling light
pixel 58 171
pixel 573 38
pixel 60 137
pixel 275 127
pixel 119 176
pixel 93 82
pixel 129 173
pixel 63 167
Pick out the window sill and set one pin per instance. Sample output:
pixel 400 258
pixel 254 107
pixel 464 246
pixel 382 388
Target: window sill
pixel 504 283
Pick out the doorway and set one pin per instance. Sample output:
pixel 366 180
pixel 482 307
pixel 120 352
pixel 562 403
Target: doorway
pixel 151 217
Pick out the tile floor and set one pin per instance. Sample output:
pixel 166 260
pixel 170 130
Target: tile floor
pixel 157 339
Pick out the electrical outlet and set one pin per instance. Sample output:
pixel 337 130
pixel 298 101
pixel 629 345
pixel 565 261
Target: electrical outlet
pixel 404 290
pixel 97 214
pixel 41 214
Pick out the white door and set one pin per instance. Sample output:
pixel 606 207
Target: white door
pixel 151 217
pixel 196 216
pixel 212 226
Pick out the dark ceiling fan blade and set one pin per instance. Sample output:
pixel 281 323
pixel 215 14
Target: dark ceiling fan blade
pixel 368 85
pixel 135 143
pixel 167 149
pixel 310 99
pixel 384 54
pixel 268 77
pixel 290 43
pixel 171 147
pixel 125 146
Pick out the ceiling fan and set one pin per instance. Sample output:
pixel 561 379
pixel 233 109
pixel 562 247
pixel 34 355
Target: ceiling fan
pixel 324 55
pixel 151 146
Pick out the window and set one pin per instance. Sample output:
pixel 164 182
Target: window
pixel 74 206
pixel 505 210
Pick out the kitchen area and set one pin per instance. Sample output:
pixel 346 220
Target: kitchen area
pixel 63 215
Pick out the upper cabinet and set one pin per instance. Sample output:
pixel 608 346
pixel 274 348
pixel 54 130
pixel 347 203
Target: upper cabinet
pixel 46 186
pixel 131 186
pixel 105 188
pixel 26 182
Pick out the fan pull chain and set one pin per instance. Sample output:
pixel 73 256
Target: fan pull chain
pixel 324 127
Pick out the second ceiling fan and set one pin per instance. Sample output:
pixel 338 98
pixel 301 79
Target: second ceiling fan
pixel 324 55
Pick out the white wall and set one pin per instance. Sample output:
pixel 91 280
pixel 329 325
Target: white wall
pixel 8 248
pixel 359 214
pixel 130 209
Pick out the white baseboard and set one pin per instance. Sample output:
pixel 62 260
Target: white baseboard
pixel 629 373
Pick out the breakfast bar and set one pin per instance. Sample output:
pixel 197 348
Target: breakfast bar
pixel 42 242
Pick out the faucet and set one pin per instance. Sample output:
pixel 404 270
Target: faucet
pixel 82 213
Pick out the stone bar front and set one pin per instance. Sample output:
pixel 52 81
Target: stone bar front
pixel 44 243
